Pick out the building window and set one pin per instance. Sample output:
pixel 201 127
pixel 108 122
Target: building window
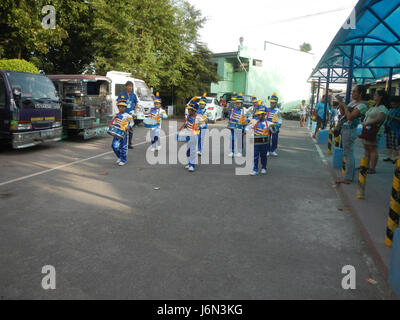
pixel 257 63
pixel 240 67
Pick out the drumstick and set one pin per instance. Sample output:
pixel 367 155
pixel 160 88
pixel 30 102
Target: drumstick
pixel 111 121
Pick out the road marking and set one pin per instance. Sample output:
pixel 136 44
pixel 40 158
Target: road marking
pixel 67 165
pixel 321 154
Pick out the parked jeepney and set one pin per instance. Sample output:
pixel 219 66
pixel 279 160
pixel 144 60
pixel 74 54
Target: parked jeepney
pixel 86 104
pixel 30 111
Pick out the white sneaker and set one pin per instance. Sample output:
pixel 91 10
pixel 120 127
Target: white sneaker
pixel 274 154
pixel 152 149
pixel 158 148
pixel 239 155
pixel 191 169
pixel 187 167
pixel 118 161
pixel 253 173
pixel 230 154
pixel 121 163
pixel 263 171
pixel 267 154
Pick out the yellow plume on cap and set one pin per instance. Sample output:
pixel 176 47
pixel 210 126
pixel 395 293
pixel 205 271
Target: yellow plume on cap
pixel 234 92
pixel 259 102
pixel 240 94
pixel 204 94
pixel 194 98
pixel 157 94
pixel 274 94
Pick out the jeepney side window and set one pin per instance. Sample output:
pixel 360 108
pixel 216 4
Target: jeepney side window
pixel 119 88
pixel 3 95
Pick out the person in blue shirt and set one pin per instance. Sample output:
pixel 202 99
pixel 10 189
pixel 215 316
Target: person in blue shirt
pixel 392 128
pixel 322 115
pixel 131 101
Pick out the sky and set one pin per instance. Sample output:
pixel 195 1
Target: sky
pixel 263 20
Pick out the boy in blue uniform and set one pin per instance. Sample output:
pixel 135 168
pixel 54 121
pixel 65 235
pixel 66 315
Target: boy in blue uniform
pixel 157 113
pixel 201 112
pixel 260 131
pixel 131 101
pixel 192 124
pixel 124 121
pixel 238 115
pixel 274 120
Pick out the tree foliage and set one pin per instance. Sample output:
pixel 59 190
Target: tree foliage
pixel 155 40
pixel 18 65
pixel 305 47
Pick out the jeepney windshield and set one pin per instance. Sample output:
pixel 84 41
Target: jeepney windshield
pixel 144 93
pixel 33 86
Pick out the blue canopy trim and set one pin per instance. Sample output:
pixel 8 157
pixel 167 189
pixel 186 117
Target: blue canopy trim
pixel 373 46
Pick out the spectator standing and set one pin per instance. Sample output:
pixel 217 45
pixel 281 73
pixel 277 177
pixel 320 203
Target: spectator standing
pixel 321 114
pixel 392 128
pixel 303 113
pixel 374 119
pixel 349 122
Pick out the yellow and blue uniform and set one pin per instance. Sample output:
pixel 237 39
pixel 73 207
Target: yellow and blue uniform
pixel 274 119
pixel 259 129
pixel 239 117
pixel 131 101
pixel 193 125
pixel 157 114
pixel 120 146
pixel 202 112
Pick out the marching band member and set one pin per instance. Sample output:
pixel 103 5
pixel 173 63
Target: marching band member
pixel 253 108
pixel 193 123
pixel 131 102
pixel 201 112
pixel 274 119
pixel 157 113
pixel 232 105
pixel 124 121
pixel 238 116
pixel 258 128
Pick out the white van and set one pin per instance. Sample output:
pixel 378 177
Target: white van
pixel 142 91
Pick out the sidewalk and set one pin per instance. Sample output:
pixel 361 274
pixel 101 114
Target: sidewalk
pixel 371 212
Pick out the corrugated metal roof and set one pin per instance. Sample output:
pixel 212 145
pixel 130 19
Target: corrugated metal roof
pixel 376 42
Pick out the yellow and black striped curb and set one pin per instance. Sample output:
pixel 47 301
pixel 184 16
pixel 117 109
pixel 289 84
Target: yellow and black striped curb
pixel 330 141
pixel 394 210
pixel 362 178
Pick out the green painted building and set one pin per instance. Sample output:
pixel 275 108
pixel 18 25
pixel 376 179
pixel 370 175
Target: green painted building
pixel 262 72
pixel 243 71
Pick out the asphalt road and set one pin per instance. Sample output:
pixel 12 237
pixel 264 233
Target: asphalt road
pixel 111 234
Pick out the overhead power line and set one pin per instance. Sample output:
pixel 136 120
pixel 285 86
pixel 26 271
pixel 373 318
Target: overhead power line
pixel 309 15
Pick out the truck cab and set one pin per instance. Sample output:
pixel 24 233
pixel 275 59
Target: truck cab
pixel 86 104
pixel 142 91
pixel 30 110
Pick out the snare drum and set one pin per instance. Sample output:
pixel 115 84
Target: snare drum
pixel 183 135
pixel 231 125
pixel 240 126
pixel 261 140
pixel 150 123
pixel 116 132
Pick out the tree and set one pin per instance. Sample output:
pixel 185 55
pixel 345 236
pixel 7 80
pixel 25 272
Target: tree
pixel 23 35
pixel 305 47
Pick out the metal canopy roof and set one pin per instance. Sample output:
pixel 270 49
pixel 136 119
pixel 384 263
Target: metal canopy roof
pixel 374 45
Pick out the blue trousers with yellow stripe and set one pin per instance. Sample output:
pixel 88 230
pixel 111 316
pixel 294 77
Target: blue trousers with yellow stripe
pixel 260 151
pixel 120 147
